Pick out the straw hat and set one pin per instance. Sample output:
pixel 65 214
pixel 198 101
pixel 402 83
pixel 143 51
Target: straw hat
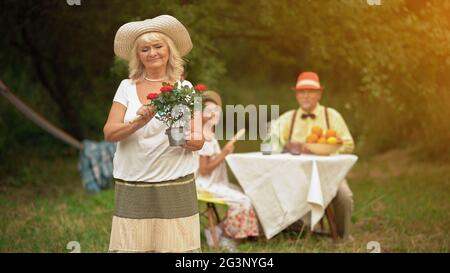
pixel 212 96
pixel 308 80
pixel 169 25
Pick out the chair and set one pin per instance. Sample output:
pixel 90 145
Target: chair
pixel 331 219
pixel 211 201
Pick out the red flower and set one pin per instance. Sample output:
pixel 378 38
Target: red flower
pixel 151 96
pixel 166 88
pixel 200 87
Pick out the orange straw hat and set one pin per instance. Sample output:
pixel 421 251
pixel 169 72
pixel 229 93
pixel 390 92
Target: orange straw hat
pixel 308 81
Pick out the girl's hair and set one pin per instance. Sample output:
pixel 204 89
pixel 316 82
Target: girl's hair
pixel 175 65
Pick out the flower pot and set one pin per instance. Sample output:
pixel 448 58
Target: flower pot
pixel 176 136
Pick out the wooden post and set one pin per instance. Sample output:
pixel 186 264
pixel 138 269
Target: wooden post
pixel 216 213
pixel 211 224
pixel 331 221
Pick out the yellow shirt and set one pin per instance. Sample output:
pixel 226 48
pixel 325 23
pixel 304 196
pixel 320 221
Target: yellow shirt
pixel 302 128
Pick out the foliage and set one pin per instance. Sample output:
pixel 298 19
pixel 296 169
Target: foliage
pixel 384 67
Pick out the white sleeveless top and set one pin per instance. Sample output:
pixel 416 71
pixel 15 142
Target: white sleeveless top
pixel 145 155
pixel 219 175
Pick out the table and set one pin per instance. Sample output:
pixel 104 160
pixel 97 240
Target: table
pixel 283 187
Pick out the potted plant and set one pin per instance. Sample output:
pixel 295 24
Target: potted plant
pixel 174 106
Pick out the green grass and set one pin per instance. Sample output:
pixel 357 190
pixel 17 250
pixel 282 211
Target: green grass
pixel 401 204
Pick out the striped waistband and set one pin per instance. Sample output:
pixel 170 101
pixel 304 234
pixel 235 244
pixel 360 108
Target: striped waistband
pixel 179 181
pixel 166 200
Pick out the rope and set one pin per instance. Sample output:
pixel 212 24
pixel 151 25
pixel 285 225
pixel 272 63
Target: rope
pixel 38 119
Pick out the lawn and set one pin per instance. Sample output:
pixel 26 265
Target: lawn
pixel 400 203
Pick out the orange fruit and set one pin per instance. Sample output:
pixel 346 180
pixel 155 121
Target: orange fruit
pixel 339 140
pixel 331 133
pixel 317 130
pixel 312 138
pixel 322 140
pixel 331 140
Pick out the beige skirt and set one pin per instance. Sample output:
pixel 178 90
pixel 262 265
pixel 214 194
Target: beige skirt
pixel 156 217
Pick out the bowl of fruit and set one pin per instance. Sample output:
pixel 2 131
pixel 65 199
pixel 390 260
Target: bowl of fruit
pixel 320 142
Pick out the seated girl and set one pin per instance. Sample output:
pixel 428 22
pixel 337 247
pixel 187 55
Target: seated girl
pixel 240 221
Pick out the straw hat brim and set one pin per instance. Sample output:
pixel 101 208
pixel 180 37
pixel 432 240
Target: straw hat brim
pixel 307 88
pixel 213 96
pixel 169 25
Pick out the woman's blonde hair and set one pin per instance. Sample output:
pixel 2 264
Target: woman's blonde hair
pixel 175 66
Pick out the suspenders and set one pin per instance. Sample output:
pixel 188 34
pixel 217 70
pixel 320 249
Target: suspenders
pixel 292 125
pixel 326 118
pixel 293 122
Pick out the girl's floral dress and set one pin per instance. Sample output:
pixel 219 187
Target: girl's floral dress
pixel 240 221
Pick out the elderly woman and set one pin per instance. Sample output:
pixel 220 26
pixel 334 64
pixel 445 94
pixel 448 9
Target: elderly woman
pixel 155 195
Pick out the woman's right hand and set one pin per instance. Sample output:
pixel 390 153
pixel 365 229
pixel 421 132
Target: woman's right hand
pixel 146 113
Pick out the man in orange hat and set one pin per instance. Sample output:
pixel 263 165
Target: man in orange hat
pixel 292 128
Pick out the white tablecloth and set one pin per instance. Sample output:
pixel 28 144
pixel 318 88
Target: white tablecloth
pixel 283 188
